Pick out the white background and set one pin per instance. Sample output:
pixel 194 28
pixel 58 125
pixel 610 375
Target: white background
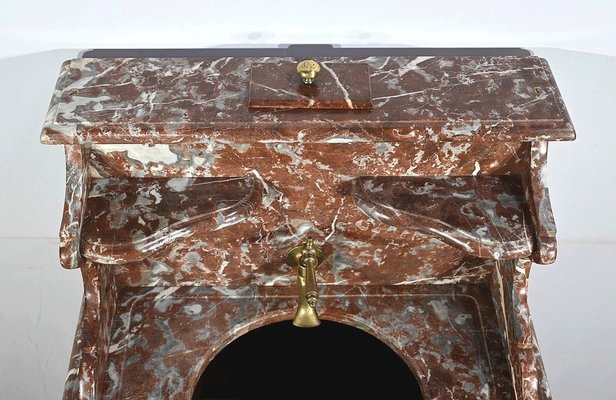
pixel 36 25
pixel 573 302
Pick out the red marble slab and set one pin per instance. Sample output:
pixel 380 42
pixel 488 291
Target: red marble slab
pixel 338 86
pixel 196 99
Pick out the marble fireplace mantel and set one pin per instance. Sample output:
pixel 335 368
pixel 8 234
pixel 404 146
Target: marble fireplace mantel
pixel 430 207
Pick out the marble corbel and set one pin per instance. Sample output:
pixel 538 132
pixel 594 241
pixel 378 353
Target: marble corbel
pixel 74 206
pixel 538 199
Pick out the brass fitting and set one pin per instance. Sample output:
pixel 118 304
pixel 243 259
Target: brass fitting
pixel 308 70
pixel 307 257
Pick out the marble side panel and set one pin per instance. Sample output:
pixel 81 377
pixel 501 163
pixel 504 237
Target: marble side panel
pixel 509 286
pixel 89 359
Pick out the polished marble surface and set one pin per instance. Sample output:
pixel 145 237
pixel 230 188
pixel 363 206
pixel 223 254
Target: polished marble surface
pixel 551 281
pixel 224 235
pixel 415 99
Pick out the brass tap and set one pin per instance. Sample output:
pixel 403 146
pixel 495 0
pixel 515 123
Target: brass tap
pixel 307 257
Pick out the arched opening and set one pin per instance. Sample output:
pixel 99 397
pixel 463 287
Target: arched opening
pixel 331 361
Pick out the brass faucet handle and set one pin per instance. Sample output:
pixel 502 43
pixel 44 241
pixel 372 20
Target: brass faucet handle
pixel 306 257
pixel 308 70
pixel 305 253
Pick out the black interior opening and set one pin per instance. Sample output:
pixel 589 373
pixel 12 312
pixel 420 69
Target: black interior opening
pixel 331 361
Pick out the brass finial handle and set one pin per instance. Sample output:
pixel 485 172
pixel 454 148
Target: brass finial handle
pixel 308 70
pixel 306 257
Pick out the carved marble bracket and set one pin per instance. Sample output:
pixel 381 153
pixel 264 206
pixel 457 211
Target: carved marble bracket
pixel 538 197
pixel 74 205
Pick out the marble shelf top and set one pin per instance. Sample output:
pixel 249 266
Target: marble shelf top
pixel 192 100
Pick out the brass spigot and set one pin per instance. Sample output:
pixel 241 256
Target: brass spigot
pixel 307 257
pixel 308 70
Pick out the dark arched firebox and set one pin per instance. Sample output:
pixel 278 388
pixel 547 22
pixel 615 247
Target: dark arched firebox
pixel 331 361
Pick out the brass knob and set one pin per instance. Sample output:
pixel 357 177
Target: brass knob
pixel 308 70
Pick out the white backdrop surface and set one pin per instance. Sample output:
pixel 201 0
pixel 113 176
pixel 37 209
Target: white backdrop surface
pixel 573 302
pixel 36 25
